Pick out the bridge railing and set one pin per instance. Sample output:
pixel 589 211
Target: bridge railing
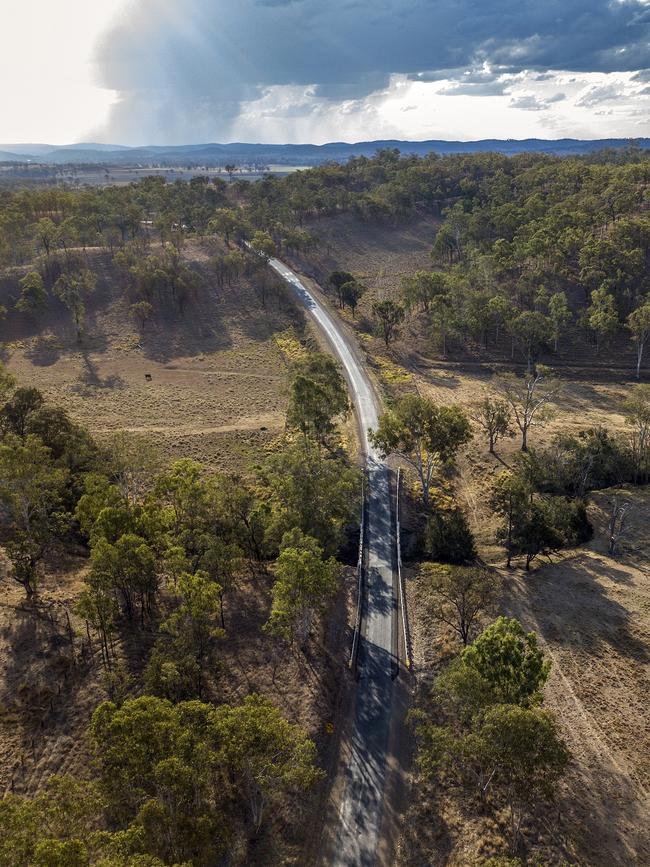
pixel 400 577
pixel 352 662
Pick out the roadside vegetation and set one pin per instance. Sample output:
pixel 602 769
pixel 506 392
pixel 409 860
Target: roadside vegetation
pixel 180 776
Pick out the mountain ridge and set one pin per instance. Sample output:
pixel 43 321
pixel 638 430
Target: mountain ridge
pixel 215 153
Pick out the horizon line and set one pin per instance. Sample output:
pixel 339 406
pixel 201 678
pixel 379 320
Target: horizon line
pixel 117 146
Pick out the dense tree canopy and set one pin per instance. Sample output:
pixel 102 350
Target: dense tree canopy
pixel 484 730
pixel 529 245
pixel 317 396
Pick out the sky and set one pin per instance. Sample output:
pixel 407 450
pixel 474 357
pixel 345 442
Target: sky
pixel 171 72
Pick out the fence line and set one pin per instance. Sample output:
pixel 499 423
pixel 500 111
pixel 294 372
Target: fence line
pixel 357 623
pixel 402 589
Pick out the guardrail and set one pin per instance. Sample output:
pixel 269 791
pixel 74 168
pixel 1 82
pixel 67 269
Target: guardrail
pixel 352 662
pixel 402 590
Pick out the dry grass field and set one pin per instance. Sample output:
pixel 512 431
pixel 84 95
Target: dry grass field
pixel 208 384
pixel 378 255
pixel 592 614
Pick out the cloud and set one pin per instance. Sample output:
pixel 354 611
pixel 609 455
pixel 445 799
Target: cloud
pixel 184 70
pixel 533 102
pixel 483 81
pixel 600 93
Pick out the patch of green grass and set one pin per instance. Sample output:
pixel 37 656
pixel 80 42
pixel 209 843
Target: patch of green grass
pixel 290 346
pixel 391 373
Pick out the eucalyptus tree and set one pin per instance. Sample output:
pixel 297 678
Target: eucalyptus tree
pixel 424 434
pixel 638 323
pixel 529 398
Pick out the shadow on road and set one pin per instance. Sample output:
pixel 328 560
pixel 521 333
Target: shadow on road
pixel 366 772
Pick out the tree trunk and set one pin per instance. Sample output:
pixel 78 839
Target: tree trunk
pixel 223 621
pixel 509 542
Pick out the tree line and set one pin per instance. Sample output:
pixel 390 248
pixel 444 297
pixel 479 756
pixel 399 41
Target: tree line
pixel 529 246
pixel 529 252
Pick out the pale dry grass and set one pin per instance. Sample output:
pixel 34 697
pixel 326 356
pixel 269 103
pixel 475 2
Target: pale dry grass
pixel 208 384
pixel 592 612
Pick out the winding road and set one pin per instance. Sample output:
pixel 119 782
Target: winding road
pixel 361 808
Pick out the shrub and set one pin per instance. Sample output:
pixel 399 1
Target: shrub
pixel 448 537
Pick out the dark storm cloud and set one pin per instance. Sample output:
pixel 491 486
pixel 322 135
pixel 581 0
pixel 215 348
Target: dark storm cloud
pixel 175 63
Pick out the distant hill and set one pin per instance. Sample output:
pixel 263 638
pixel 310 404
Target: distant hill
pixel 30 151
pixel 213 154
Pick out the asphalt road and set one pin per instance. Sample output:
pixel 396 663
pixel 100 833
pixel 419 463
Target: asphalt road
pixel 362 798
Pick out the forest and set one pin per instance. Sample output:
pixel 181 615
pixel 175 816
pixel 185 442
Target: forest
pixel 528 245
pixel 177 769
pixel 534 261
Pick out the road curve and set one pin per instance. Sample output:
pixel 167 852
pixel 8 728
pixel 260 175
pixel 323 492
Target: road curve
pixel 362 797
